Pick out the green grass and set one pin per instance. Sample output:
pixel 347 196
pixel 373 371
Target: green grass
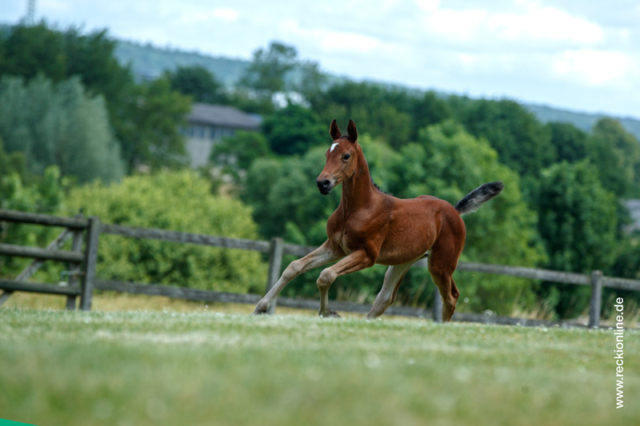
pixel 201 368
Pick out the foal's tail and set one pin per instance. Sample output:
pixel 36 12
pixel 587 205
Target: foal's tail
pixel 473 200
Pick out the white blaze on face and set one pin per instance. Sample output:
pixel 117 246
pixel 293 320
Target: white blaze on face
pixel 334 146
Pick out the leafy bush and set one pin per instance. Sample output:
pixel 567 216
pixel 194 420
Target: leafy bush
pixel 44 196
pixel 179 201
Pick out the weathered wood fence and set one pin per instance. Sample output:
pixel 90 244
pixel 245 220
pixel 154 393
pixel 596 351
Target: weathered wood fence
pixel 82 268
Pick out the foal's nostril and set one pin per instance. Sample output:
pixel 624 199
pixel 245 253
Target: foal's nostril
pixel 323 184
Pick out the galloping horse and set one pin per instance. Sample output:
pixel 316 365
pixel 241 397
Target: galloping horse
pixel 370 227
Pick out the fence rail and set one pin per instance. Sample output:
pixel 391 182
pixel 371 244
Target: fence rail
pixel 87 258
pixel 42 219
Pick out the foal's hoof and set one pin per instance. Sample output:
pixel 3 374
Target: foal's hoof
pixel 330 314
pixel 260 310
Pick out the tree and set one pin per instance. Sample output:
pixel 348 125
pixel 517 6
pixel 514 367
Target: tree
pixel 58 125
pixel 268 69
pixel 378 111
pixel 616 154
pixel 179 201
pixel 33 50
pixel 311 82
pixel 570 143
pixel 427 110
pixel 150 132
pixel 520 140
pixel 12 163
pixel 578 223
pixel 199 83
pixel 133 110
pixel 239 151
pixel 293 130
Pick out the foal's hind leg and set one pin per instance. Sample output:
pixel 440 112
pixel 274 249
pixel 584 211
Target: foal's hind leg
pixel 386 297
pixel 442 264
pixel 321 256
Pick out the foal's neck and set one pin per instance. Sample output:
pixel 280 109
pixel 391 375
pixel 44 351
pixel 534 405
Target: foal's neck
pixel 358 190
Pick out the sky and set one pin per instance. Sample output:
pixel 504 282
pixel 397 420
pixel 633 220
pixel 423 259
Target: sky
pixel 582 55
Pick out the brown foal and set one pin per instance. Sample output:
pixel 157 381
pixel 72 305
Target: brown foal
pixel 370 227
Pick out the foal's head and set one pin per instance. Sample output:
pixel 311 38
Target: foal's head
pixel 341 158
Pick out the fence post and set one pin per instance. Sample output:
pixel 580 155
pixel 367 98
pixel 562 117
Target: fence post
pixel 90 261
pixel 275 263
pixel 596 299
pixel 437 306
pixel 75 268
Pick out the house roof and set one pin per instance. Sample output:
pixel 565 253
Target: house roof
pixel 223 116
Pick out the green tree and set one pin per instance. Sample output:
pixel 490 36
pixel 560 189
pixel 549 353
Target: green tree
pixel 266 75
pixel 311 82
pixel 151 131
pixel 133 110
pixel 427 110
pixel 520 140
pixel 383 113
pixel 33 50
pixel 239 151
pixel 578 223
pixel 616 154
pixel 293 130
pixel 570 143
pixel 179 201
pixel 199 83
pixel 12 163
pixel 58 125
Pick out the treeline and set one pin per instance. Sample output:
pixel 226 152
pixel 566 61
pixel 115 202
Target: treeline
pixel 79 132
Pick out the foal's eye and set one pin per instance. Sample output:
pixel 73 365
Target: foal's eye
pixel 346 157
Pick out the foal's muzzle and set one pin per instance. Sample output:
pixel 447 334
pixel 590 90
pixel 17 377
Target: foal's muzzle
pixel 324 185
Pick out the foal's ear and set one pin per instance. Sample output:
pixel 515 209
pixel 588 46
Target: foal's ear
pixel 352 132
pixel 334 130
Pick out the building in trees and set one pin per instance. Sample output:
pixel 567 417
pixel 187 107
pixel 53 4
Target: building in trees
pixel 634 209
pixel 207 124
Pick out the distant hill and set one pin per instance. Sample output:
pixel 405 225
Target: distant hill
pixel 581 120
pixel 148 62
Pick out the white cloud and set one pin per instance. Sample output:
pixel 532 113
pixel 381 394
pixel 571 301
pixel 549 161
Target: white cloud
pixel 428 5
pixel 332 41
pixel 596 67
pixel 220 14
pixel 529 23
pixel 225 14
pixel 539 23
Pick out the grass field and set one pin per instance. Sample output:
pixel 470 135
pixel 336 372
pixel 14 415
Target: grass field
pixel 204 368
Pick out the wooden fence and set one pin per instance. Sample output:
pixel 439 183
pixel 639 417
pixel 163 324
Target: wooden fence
pixel 82 269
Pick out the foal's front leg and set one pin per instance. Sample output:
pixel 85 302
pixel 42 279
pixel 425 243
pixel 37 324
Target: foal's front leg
pixel 320 256
pixel 356 261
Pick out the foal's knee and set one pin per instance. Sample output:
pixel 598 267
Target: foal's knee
pixel 326 278
pixel 293 270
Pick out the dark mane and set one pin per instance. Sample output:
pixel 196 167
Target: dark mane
pixel 377 187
